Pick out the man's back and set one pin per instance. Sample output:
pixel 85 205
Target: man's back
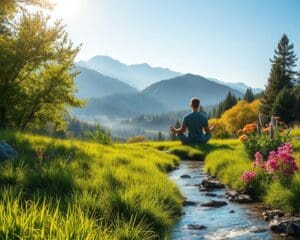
pixel 195 122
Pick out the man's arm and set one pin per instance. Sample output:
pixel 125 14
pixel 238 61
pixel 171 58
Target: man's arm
pixel 178 130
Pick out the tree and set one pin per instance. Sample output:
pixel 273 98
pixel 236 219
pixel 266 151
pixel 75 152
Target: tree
pixel 240 115
pixel 285 106
pixel 160 136
pixel 36 65
pixel 229 101
pixel 281 75
pixel 249 96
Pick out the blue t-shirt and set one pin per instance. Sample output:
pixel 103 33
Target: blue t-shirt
pixel 195 122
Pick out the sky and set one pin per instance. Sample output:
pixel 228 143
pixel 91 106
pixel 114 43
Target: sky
pixel 231 40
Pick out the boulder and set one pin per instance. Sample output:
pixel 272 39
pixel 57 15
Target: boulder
pixel 188 203
pixel 196 226
pixel 212 184
pixel 288 226
pixel 213 203
pixel 271 214
pixel 235 196
pixel 210 194
pixel 185 176
pixel 231 211
pixel 6 151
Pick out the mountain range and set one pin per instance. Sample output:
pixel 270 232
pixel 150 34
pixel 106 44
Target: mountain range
pixel 136 75
pixel 92 84
pixel 114 89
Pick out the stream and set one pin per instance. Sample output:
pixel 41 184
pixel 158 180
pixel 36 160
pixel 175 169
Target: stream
pixel 233 221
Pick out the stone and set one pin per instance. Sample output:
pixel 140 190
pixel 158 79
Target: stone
pixel 212 184
pixel 188 203
pixel 243 198
pixel 271 214
pixel 289 226
pixel 196 226
pixel 232 193
pixel 203 189
pixel 185 176
pixel 231 211
pixel 235 196
pixel 213 203
pixel 7 152
pixel 210 194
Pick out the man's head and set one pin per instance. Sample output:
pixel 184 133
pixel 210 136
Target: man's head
pixel 195 104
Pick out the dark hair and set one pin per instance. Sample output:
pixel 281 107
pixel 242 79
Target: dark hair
pixel 195 102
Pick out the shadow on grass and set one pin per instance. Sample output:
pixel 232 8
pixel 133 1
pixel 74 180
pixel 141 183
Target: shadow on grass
pixel 196 152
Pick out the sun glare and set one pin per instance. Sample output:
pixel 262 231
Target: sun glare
pixel 66 8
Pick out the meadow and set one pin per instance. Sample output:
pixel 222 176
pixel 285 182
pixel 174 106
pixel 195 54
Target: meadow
pixel 69 189
pixel 72 189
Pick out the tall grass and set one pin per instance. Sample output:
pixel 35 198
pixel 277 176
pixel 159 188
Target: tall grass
pixel 84 190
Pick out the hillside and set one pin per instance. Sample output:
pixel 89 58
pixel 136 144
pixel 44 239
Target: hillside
pixel 136 75
pixel 92 84
pixel 176 93
pixel 121 105
pixel 242 87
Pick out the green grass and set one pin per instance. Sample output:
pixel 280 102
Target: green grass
pixel 83 190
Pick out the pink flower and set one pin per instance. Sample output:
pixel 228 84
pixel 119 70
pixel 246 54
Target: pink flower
pixel 282 161
pixel 259 161
pixel 248 176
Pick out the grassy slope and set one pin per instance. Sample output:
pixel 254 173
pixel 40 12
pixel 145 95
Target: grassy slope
pixel 84 190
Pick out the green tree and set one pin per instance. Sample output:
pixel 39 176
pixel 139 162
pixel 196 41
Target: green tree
pixel 229 101
pixel 281 75
pixel 285 106
pixel 249 96
pixel 36 65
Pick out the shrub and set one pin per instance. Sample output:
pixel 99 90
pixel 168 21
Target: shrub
pixel 99 135
pixel 220 131
pixel 136 139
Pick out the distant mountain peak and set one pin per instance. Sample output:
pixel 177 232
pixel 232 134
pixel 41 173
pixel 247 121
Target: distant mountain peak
pixel 137 75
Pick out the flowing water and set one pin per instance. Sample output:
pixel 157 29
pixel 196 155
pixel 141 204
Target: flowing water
pixel 233 221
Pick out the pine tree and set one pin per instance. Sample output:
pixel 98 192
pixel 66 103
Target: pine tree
pixel 281 75
pixel 249 96
pixel 226 104
pixel 285 106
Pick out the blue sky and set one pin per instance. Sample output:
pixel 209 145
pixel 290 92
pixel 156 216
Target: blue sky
pixel 231 40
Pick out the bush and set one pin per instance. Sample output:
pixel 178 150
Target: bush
pixel 99 135
pixel 220 131
pixel 136 139
pixel 260 142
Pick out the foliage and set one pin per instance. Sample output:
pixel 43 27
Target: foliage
pixel 285 105
pixel 239 115
pixel 36 62
pixel 136 139
pixel 229 101
pixel 220 131
pixel 84 190
pixel 249 96
pixel 281 75
pixel 263 143
pixel 99 135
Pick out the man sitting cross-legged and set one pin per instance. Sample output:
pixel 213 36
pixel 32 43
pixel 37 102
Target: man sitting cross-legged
pixel 195 122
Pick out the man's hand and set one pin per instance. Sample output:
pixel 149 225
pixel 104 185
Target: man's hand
pixel 172 129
